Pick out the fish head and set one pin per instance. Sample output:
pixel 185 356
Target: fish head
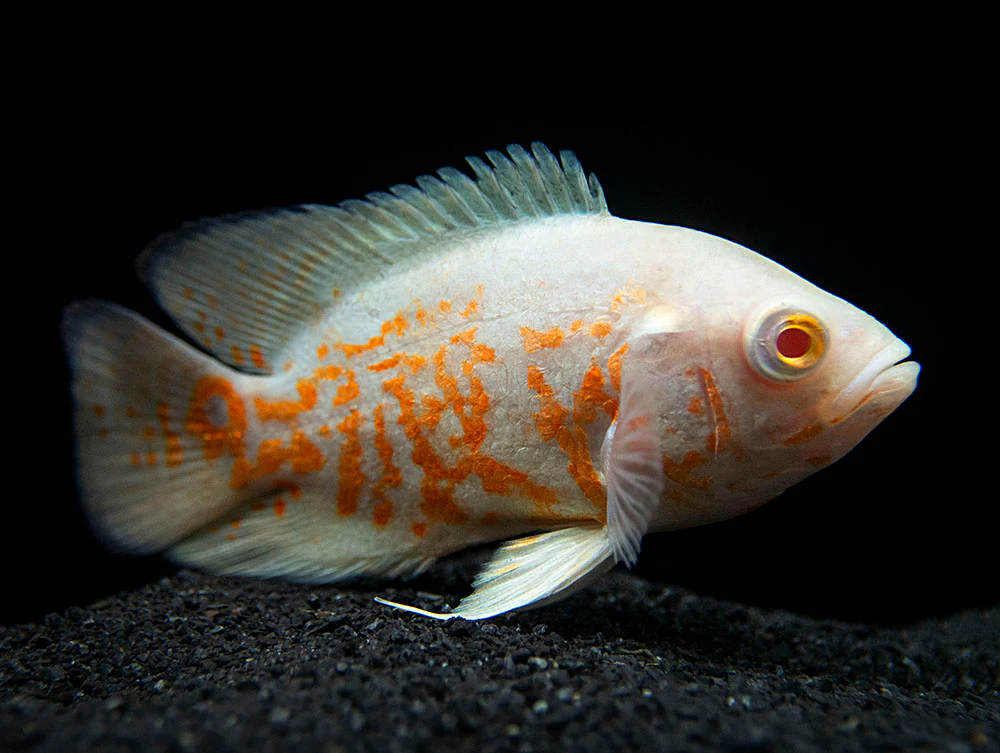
pixel 777 380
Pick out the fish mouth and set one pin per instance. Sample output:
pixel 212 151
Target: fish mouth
pixel 887 377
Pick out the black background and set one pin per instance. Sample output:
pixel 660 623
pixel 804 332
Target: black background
pixel 869 208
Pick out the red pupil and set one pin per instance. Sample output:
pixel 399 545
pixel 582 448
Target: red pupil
pixel 794 342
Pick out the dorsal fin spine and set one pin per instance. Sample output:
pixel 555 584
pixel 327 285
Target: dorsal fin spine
pixel 257 278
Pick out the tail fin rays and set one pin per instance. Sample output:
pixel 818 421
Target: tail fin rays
pixel 146 481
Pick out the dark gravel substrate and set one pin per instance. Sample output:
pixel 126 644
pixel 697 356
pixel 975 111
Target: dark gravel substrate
pixel 202 663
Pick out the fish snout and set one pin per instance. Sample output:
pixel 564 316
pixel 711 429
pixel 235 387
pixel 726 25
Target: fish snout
pixel 887 379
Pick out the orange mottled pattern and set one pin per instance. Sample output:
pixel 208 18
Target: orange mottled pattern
pixel 397 428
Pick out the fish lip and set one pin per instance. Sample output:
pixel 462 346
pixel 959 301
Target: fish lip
pixel 881 370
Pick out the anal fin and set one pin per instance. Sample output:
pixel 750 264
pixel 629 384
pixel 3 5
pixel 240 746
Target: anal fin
pixel 530 572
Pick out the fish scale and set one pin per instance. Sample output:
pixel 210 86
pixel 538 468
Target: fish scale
pixel 474 359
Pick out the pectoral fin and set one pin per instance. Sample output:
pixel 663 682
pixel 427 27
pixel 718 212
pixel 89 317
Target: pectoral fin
pixel 633 471
pixel 532 571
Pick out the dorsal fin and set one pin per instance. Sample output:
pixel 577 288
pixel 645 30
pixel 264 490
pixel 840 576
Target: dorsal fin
pixel 243 285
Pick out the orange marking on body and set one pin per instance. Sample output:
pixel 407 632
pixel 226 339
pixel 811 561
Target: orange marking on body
pixel 257 506
pixel 719 440
pixel 213 302
pixel 478 402
pixel 498 478
pixel 574 444
pixel 151 458
pixel 576 326
pixel 238 357
pixel 324 431
pixel 550 416
pixel 419 529
pixel 804 435
pixel 220 333
pixel 489 518
pixel 470 309
pixel 535 340
pixel 385 365
pixel 391 476
pixel 550 420
pixel 696 407
pixel 482 354
pixel 437 488
pixel 439 480
pixel 397 324
pixel 600 330
pixel 328 373
pixel 305 456
pixel 615 367
pixel 350 479
pixel 322 351
pixel 271 454
pixel 337 293
pixel 199 327
pixel 433 410
pixel 236 523
pixel 135 459
pixel 99 411
pixel 131 412
pixel 592 396
pixel 289 365
pixel 230 537
pixel 471 408
pixel 421 316
pixel 257 356
pixel 413 362
pixel 467 337
pixel 445 307
pixel 148 432
pixel 188 293
pixel 284 410
pixel 217 439
pixel 347 392
pixel 302 454
pixel 175 452
pixel 820 460
pixel 279 507
pixel 680 473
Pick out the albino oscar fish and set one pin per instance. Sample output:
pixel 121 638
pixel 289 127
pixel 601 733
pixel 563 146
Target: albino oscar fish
pixel 377 384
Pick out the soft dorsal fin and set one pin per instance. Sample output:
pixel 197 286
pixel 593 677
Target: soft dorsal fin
pixel 242 285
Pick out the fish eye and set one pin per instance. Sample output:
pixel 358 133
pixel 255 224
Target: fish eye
pixel 786 345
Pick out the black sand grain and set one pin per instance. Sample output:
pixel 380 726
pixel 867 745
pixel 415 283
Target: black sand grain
pixel 195 662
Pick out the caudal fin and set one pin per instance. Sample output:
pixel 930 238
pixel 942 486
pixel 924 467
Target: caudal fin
pixel 146 478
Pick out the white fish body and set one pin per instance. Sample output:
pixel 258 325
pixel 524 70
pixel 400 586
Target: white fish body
pixel 394 380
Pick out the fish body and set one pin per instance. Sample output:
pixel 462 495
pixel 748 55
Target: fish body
pixel 393 380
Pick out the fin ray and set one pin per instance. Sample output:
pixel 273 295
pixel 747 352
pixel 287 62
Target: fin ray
pixel 242 286
pixel 296 536
pixel 144 480
pixel 633 471
pixel 531 572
